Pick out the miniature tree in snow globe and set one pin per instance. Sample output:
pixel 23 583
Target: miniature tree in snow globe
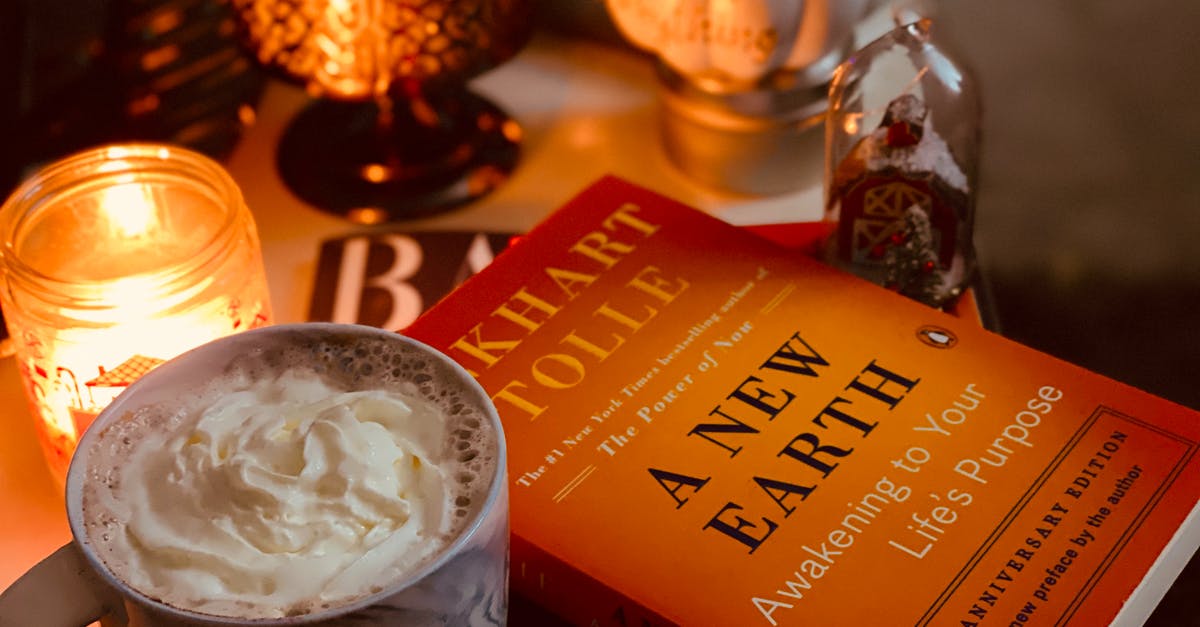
pixel 902 147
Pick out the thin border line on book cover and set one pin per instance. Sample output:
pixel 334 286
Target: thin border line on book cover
pixel 778 298
pixel 1051 468
pixel 574 483
pixel 1143 514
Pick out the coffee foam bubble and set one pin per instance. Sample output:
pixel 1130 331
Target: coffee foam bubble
pixel 345 363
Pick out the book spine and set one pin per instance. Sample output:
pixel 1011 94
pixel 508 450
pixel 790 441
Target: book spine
pixel 568 592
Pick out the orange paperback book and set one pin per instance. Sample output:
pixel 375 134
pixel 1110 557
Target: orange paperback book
pixel 706 429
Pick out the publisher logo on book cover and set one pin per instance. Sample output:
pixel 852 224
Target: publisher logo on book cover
pixel 937 337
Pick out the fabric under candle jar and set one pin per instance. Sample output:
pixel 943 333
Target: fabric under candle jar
pixel 116 259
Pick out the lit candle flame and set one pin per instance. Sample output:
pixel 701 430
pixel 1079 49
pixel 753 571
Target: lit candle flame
pixel 130 210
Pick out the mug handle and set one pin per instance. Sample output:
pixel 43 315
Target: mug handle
pixel 62 590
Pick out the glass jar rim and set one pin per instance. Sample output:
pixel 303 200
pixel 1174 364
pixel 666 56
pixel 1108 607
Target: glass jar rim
pixel 90 166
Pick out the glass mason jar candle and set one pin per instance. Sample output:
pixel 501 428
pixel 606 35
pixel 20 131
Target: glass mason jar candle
pixel 116 259
pixel 901 161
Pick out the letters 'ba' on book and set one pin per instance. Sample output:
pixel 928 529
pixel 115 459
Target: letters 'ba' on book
pixel 705 429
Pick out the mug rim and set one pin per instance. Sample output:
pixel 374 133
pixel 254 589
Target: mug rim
pixel 77 473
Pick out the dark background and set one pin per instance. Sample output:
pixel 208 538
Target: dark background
pixel 1089 210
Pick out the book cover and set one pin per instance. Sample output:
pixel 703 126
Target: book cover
pixel 707 429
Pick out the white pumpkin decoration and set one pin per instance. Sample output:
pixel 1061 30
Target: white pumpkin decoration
pixel 737 40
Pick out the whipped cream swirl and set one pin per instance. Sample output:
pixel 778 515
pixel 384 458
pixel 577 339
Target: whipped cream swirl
pixel 285 498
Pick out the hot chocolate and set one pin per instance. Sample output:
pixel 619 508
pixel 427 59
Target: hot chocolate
pixel 313 471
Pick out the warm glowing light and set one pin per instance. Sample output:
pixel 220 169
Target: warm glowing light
pixel 511 130
pixel 851 124
pixel 367 215
pixel 164 21
pixel 376 173
pixel 355 49
pixel 93 365
pixel 112 154
pixel 144 268
pixel 246 115
pixel 160 57
pixel 129 209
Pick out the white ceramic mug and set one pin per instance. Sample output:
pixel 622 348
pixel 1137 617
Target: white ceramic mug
pixel 465 584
